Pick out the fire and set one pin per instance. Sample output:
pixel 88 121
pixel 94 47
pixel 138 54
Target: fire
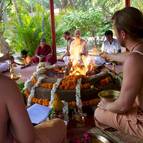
pixel 81 64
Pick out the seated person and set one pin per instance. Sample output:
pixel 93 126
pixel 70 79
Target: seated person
pixel 15 123
pixel 67 36
pixel 26 58
pixel 110 45
pixel 43 53
pixel 78 47
pixel 126 113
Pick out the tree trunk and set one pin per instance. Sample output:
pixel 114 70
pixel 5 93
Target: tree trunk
pixel 1 9
pixel 43 20
pixel 17 12
pixel 71 3
pixel 3 44
pixel 64 3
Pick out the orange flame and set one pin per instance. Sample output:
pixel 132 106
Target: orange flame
pixel 81 64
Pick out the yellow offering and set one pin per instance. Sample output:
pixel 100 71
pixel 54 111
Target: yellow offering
pixel 57 104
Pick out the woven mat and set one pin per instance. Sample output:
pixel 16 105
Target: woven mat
pixel 115 136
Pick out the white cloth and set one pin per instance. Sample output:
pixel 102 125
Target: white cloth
pixel 99 60
pixel 4 66
pixel 66 60
pixel 111 48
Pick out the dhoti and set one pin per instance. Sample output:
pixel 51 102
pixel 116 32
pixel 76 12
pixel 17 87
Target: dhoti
pixel 130 123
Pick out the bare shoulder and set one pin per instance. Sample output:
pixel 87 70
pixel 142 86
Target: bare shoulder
pixel 134 61
pixel 135 57
pixel 7 85
pixel 6 81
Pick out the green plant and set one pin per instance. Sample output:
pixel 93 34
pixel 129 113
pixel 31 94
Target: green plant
pixel 28 35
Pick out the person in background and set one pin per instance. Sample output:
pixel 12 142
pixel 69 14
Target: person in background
pixel 110 45
pixel 43 53
pixel 126 112
pixel 78 48
pixel 26 58
pixel 15 125
pixel 67 36
pixel 79 43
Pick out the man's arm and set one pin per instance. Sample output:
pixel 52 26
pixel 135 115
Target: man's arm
pixel 85 50
pixel 67 53
pixel 120 57
pixel 131 86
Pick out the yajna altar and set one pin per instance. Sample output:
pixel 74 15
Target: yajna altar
pixel 48 80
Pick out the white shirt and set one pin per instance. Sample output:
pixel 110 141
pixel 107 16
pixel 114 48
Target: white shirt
pixel 111 48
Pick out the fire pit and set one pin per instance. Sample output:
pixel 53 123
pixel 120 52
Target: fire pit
pixel 81 79
pixel 91 84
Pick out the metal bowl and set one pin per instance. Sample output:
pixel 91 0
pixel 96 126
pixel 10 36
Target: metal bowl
pixel 109 94
pixel 101 139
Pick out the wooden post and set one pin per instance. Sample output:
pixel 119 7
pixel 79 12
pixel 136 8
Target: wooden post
pixel 53 30
pixel 127 3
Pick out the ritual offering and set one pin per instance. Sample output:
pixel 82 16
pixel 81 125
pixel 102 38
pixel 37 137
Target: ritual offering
pixel 109 94
pixel 13 74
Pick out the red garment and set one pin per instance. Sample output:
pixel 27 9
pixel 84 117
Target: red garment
pixel 43 51
pixel 46 52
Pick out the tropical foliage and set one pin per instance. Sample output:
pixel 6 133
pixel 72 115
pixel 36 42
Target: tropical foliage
pixel 24 22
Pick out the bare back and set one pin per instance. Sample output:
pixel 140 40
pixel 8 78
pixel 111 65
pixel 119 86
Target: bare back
pixel 139 98
pixel 14 121
pixel 132 86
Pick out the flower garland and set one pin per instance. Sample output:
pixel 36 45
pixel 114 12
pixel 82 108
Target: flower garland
pixel 54 89
pixel 32 93
pixel 70 104
pixel 78 96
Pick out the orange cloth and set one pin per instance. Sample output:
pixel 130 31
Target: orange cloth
pixel 51 131
pixel 130 123
pixel 27 60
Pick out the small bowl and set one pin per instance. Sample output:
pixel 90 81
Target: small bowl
pixel 109 95
pixel 101 139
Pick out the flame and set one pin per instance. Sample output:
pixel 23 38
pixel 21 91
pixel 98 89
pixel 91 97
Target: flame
pixel 81 64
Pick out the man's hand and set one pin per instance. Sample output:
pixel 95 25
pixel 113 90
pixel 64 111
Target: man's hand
pixel 106 56
pixel 103 104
